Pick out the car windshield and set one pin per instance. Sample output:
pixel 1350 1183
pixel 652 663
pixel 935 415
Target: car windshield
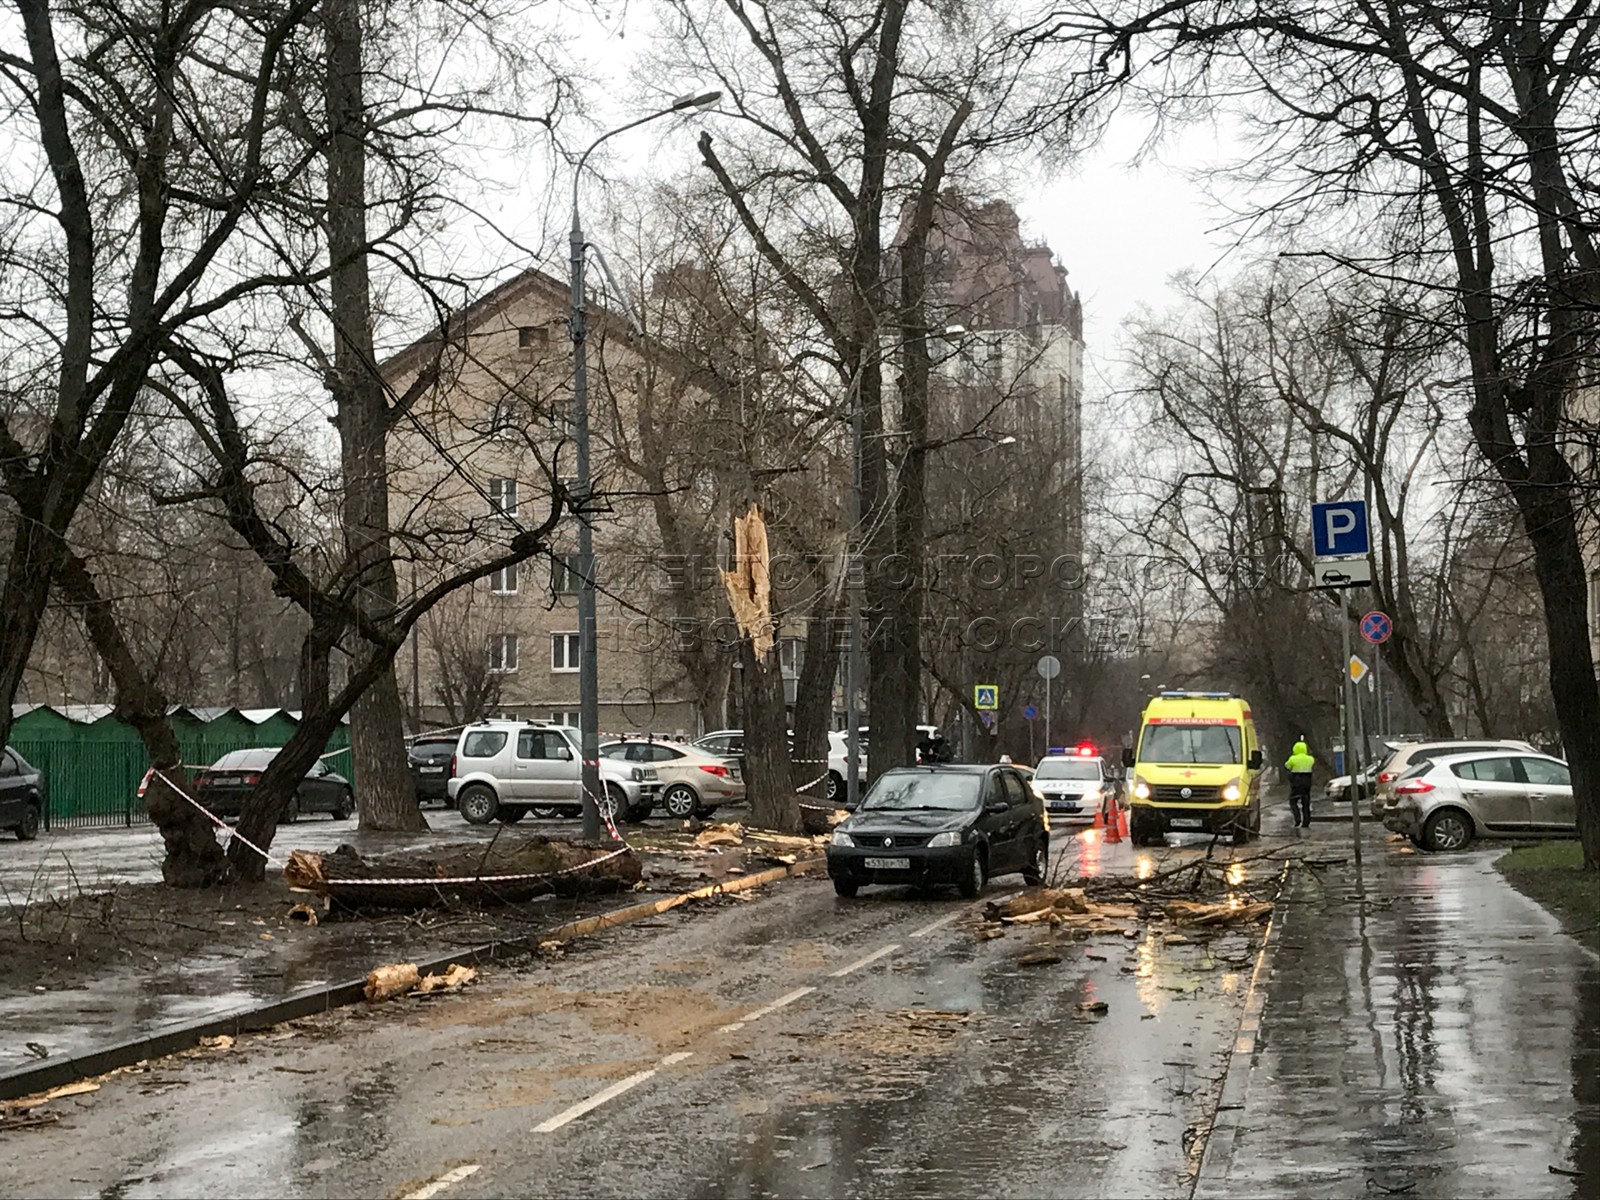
pixel 924 789
pixel 1067 768
pixel 1196 743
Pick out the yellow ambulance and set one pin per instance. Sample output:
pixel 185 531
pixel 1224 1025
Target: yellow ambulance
pixel 1196 768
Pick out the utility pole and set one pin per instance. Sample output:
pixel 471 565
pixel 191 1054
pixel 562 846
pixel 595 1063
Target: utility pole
pixel 578 329
pixel 1352 760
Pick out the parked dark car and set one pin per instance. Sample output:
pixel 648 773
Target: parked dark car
pixel 430 757
pixel 223 786
pixel 22 795
pixel 944 825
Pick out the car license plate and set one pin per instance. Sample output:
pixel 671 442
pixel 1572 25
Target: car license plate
pixel 1057 806
pixel 226 780
pixel 433 770
pixel 1187 823
pixel 888 864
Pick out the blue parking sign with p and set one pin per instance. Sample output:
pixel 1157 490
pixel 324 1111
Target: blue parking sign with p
pixel 1339 529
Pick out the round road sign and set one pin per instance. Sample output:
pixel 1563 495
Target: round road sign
pixel 1376 627
pixel 1049 667
pixel 1030 712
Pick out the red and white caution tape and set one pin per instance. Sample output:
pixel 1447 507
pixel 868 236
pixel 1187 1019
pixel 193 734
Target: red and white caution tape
pixel 454 879
pixel 218 821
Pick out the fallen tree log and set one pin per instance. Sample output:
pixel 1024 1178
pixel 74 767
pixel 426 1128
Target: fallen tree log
pixel 1066 899
pixel 507 872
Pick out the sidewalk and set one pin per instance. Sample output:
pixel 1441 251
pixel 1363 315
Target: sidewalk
pixel 1440 1040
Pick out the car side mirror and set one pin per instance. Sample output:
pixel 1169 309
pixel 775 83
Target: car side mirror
pixel 1127 756
pixel 1255 760
pixel 564 753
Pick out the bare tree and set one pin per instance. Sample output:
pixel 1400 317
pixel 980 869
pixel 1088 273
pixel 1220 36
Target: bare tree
pixel 1459 139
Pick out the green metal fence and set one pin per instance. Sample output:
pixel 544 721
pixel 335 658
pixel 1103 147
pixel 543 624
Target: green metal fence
pixel 92 771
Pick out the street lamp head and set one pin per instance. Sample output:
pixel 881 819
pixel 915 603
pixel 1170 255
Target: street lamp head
pixel 703 100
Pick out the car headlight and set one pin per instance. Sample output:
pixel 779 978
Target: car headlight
pixel 950 837
pixel 638 774
pixel 1091 795
pixel 1232 792
pixel 841 838
pixel 1141 790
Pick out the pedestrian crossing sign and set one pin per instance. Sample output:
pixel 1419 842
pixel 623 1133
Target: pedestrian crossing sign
pixel 986 697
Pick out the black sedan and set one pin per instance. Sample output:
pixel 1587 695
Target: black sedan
pixel 941 826
pixel 430 756
pixel 223 786
pixel 21 795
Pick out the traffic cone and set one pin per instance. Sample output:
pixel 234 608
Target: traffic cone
pixel 1117 826
pixel 1100 817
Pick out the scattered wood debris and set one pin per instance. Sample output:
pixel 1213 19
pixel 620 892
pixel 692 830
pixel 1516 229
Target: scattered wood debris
pixel 1097 1008
pixel 393 979
pixel 454 979
pixel 303 913
pixel 720 835
pixel 1038 958
pixel 1191 912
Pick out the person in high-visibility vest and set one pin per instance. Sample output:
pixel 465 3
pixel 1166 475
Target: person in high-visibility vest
pixel 1299 766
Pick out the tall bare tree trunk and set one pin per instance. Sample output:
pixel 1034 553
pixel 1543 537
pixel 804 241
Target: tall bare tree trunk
pixel 377 720
pixel 813 698
pixel 768 785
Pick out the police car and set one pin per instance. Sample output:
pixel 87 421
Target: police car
pixel 1072 783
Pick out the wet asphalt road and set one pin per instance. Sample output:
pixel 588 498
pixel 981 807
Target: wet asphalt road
pixel 881 1049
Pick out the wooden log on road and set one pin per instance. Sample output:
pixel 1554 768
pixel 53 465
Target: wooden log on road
pixel 507 872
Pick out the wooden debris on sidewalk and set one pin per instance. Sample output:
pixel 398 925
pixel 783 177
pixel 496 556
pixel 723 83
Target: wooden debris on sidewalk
pixel 390 980
pixel 454 979
pixel 1193 912
pixel 720 835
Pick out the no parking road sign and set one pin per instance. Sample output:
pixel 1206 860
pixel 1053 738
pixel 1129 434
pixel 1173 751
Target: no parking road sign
pixel 1376 627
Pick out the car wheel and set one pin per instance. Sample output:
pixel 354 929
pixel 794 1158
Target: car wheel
pixel 28 829
pixel 291 812
pixel 975 876
pixel 680 801
pixel 1447 829
pixel 545 811
pixel 477 804
pixel 1038 863
pixel 1139 832
pixel 510 814
pixel 846 888
pixel 835 787
pixel 610 802
pixel 346 806
pixel 633 814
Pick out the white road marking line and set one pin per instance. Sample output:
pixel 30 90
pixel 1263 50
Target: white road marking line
pixel 605 1094
pixel 780 1002
pixel 448 1179
pixel 861 962
pixel 940 923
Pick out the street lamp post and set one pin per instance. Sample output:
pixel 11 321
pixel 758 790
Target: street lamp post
pixel 578 328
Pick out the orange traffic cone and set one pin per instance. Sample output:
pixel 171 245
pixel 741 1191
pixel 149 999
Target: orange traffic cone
pixel 1100 817
pixel 1117 825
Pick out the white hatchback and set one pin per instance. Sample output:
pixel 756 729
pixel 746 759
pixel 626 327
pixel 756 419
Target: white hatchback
pixel 693 782
pixel 1443 803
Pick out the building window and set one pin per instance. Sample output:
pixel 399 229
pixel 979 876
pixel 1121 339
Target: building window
pixel 565 577
pixel 502 652
pixel 563 652
pixel 564 718
pixel 504 581
pixel 503 497
pixel 503 417
pixel 532 337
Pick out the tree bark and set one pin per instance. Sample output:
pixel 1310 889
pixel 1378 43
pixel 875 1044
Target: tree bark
pixel 768 785
pixel 813 699
pixel 387 798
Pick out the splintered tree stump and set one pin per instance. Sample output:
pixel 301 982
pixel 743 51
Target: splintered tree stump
pixel 477 876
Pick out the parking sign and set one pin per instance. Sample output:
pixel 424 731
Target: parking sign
pixel 1339 529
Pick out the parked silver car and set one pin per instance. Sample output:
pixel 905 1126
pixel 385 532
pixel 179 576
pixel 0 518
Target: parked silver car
pixel 1443 803
pixel 1408 754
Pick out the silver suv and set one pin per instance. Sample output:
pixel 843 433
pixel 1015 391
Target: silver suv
pixel 507 769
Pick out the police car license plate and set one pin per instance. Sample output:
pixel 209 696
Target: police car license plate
pixel 888 864
pixel 433 770
pixel 1187 823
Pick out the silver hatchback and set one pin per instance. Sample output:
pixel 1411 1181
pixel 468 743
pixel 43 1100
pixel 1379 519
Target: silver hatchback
pixel 1443 803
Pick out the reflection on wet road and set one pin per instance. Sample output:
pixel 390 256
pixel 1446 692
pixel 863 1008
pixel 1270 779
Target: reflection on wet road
pixel 1438 1040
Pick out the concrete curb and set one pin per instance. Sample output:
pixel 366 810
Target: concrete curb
pixel 186 1035
pixel 1216 1159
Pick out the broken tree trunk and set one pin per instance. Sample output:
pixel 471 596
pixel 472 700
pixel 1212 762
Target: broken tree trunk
pixel 474 876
